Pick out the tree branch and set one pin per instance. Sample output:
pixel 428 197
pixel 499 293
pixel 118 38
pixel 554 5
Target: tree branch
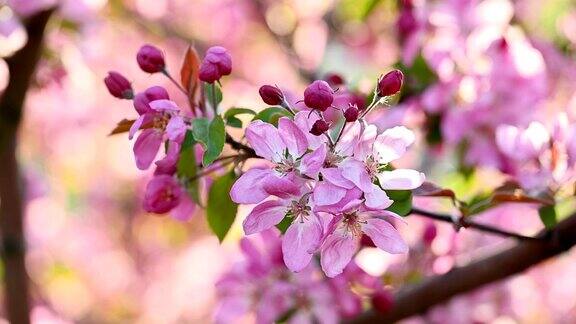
pixel 419 298
pixel 21 67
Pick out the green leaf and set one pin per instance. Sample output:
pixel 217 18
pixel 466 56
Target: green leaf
pixel 402 201
pixel 271 115
pixel 216 139
pixel 548 215
pixel 186 167
pixel 284 224
pixel 238 111
pixel 221 210
pixel 232 120
pixel 200 128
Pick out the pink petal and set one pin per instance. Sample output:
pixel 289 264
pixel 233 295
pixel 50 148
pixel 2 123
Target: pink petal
pixel 300 242
pixel 264 216
pixel 293 137
pixel 334 176
pixel 349 201
pixel 384 236
pixel 176 129
pixel 304 120
pixel 247 189
pixel 377 199
pixel 312 162
pixel 164 105
pixel 401 179
pixel 265 140
pixel 336 253
pixel 349 139
pixel 146 147
pixel 326 193
pixel 185 210
pixel 355 171
pixel 392 144
pixel 136 126
pixel 282 187
pixel 365 143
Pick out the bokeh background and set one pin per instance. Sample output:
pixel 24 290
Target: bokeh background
pixel 94 256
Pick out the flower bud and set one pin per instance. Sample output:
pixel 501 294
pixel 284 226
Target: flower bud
pixel 319 127
pixel 383 301
pixel 150 59
pixel 142 100
pixel 351 113
pixel 390 83
pixel 334 79
pixel 216 64
pixel 271 95
pixel 118 85
pixel 318 95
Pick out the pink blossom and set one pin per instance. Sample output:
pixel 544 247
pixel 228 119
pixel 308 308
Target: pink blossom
pixel 163 193
pixel 216 64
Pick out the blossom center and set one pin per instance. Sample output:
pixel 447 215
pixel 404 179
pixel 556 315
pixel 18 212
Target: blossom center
pixel 352 224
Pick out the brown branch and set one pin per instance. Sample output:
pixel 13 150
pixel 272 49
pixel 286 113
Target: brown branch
pixel 419 298
pixel 466 223
pixel 21 67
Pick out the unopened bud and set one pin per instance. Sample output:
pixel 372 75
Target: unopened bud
pixel 118 85
pixel 271 95
pixel 390 83
pixel 319 127
pixel 216 64
pixel 150 59
pixel 318 95
pixel 351 113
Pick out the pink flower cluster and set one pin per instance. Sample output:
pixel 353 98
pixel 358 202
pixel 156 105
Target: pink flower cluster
pixel 261 284
pixel 331 187
pixel 539 159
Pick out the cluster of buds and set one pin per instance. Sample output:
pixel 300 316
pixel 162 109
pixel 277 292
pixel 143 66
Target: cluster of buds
pixel 161 123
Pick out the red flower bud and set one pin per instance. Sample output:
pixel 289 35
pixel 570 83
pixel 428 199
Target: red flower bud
pixel 383 301
pixel 351 114
pixel 318 95
pixel 334 79
pixel 271 95
pixel 319 127
pixel 118 85
pixel 216 64
pixel 150 59
pixel 142 100
pixel 390 83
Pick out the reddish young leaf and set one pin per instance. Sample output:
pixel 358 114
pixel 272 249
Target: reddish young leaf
pixel 122 126
pixel 189 72
pixel 428 189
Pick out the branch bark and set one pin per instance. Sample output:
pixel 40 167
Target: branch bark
pixel 419 298
pixel 21 67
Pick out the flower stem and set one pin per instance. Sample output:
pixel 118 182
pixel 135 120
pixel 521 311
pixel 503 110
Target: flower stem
pixel 165 72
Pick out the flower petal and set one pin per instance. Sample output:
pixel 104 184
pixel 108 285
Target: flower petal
pixel 146 147
pixel 392 144
pixel 334 176
pixel 337 251
pixel 300 242
pixel 264 216
pixel 326 193
pixel 384 236
pixel 164 105
pixel 355 171
pixel 247 189
pixel 293 137
pixel 401 179
pixel 265 140
pixel 312 162
pixel 282 187
pixel 377 198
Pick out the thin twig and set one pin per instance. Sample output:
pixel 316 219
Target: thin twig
pixel 466 223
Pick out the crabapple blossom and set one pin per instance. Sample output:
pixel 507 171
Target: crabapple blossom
pixel 390 83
